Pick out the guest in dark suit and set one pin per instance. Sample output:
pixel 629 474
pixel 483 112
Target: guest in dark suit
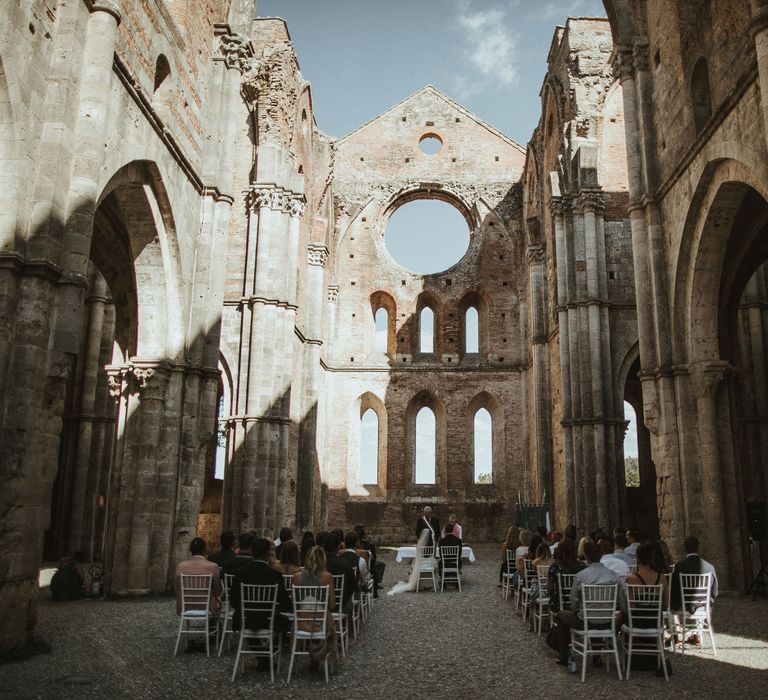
pixel 427 520
pixel 337 566
pixel 692 564
pixel 449 540
pixel 258 572
pixel 286 535
pixel 243 558
pixel 350 555
pixel 375 566
pixel 227 552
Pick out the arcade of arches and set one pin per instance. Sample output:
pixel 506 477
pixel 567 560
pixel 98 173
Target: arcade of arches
pixel 155 319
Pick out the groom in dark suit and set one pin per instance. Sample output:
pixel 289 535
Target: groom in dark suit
pixel 427 520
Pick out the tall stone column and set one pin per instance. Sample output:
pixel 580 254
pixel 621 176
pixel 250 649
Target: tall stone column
pixel 317 255
pixel 759 31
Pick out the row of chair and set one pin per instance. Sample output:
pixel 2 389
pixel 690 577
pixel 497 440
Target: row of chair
pixel 428 567
pixel 648 621
pixel 308 618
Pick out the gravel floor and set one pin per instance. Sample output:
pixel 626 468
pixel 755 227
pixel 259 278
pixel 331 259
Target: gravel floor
pixel 458 645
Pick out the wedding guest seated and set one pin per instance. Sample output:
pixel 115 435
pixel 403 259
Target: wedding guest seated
pixel 649 572
pixel 315 573
pixel 565 563
pixel 449 540
pixel 68 582
pixel 594 574
pixel 458 530
pixel 339 536
pixel 509 544
pixel 349 553
pixel 338 566
pixel 571 533
pixel 619 544
pixel 286 535
pixel 543 558
pixel 243 556
pixel 619 567
pixel 307 542
pixel 375 566
pixel 198 564
pixel 692 564
pixel 257 572
pixel 580 552
pixel 524 550
pixel 633 539
pixel 289 558
pixel 226 552
pixel 556 537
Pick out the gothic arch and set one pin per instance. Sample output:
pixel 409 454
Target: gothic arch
pixel 428 399
pixel 479 300
pixel 491 404
pixel 384 300
pixel 364 402
pixel 428 299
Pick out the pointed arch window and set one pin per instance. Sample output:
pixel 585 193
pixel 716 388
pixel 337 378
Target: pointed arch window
pixel 427 330
pixel 483 446
pixel 369 447
pixel 425 469
pixel 381 330
pixel 471 331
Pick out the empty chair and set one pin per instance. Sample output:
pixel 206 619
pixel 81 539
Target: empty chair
pixel 425 554
pixel 196 616
pixel 541 602
pixel 598 611
pixel 644 631
pixel 257 609
pixel 696 612
pixel 450 556
pixel 310 625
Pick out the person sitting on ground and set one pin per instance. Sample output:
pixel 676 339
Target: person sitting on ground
pixel 557 536
pixel 289 558
pixel 619 567
pixel 307 542
pixel 226 552
pixel 257 572
pixel 449 540
pixel 349 553
pixel 692 564
pixel 286 535
pixel 458 530
pixel 243 556
pixel 633 540
pixel 198 564
pixel 375 567
pixel 565 563
pixel 68 582
pixel 619 544
pixel 594 574
pixel 338 566
pixel 580 553
pixel 315 573
pixel 508 545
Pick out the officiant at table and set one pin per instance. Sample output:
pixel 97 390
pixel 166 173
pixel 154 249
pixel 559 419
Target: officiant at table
pixel 427 520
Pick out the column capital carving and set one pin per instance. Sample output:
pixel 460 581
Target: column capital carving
pixel 234 51
pixel 148 379
pixel 333 293
pixel 536 254
pixel 591 201
pixel 640 54
pixel 623 65
pixel 317 254
pixel 297 206
pixel 557 207
pixel 275 198
pixel 707 377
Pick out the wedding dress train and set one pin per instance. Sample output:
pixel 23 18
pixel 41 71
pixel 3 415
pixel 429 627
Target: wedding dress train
pixel 413 579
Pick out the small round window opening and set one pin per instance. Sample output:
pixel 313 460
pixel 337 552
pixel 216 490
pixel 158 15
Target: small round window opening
pixel 430 144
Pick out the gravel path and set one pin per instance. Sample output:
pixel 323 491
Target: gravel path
pixel 458 645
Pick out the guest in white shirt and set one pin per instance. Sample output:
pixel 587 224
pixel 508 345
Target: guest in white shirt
pixel 595 574
pixel 633 537
pixel 556 537
pixel 619 567
pixel 619 550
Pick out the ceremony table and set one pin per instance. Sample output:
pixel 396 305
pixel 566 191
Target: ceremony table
pixel 409 552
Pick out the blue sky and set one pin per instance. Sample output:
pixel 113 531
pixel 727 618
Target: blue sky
pixel 363 56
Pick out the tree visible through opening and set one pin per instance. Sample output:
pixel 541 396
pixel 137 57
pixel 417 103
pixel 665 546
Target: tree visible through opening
pixel 427 236
pixel 426 447
pixel 483 447
pixel 631 463
pixel 369 447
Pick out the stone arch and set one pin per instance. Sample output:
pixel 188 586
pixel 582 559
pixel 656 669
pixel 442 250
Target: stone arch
pixel 479 300
pixel 366 401
pixel 383 300
pixel 490 403
pixel 612 155
pixel 428 299
pixel 429 190
pixel 621 21
pixel 135 247
pixel 428 399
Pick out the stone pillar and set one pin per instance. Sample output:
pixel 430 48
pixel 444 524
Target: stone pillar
pixel 317 255
pixel 759 31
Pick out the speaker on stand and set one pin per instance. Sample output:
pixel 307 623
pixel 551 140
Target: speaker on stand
pixel 757 524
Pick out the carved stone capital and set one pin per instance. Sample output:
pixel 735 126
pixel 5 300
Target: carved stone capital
pixel 536 254
pixel 234 51
pixel 276 198
pixel 116 379
pixel 333 293
pixel 317 254
pixel 640 55
pixel 591 201
pixel 707 377
pixel 557 207
pixel 297 207
pixel 623 65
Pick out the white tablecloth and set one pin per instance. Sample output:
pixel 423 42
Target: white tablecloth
pixel 410 553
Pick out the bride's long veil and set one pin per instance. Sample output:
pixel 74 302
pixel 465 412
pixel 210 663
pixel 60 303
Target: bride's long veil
pixel 410 584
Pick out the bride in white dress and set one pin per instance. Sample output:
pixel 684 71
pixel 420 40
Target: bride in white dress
pixel 410 584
